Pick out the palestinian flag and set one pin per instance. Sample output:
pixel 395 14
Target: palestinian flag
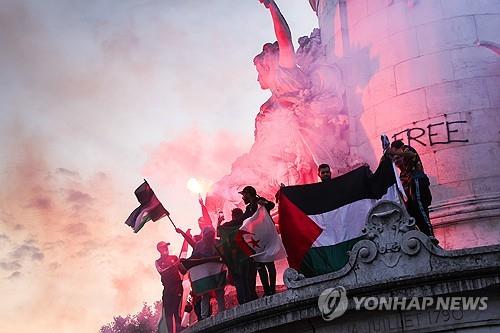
pixel 320 222
pixel 150 208
pixel 207 277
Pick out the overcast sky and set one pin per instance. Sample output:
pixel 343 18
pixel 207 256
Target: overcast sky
pixel 95 96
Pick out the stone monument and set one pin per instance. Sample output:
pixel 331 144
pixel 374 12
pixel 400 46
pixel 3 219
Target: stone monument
pixel 302 125
pixel 426 72
pixel 393 260
pixel 412 69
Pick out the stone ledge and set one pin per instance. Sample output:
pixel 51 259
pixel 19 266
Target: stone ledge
pixel 394 259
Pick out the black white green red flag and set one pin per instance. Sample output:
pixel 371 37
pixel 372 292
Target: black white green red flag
pixel 320 222
pixel 150 208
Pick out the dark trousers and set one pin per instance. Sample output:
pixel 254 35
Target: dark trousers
pixel 418 203
pixel 248 278
pixel 267 273
pixel 197 307
pixel 171 303
pixel 240 285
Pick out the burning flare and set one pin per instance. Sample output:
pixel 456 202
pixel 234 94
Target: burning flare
pixel 198 186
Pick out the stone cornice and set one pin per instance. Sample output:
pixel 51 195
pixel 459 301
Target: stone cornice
pixel 393 259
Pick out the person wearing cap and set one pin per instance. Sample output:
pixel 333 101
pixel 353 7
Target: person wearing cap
pixel 251 199
pixel 415 183
pixel 168 267
pixel 267 270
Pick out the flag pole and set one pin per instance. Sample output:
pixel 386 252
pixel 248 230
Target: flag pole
pixel 171 221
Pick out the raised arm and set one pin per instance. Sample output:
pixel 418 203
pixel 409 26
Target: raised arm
pixel 204 212
pixel 283 34
pixel 187 236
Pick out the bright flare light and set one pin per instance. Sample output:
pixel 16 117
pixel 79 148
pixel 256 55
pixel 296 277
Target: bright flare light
pixel 194 186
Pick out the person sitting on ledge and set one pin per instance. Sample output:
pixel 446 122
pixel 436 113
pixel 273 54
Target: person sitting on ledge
pixel 415 183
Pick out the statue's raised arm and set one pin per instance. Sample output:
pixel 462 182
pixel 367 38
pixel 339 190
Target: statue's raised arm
pixel 283 34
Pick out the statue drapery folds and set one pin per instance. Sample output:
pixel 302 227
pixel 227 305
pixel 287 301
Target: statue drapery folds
pixel 302 125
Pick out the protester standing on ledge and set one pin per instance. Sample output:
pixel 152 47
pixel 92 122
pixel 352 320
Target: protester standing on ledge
pixel 267 270
pixel 415 183
pixel 205 248
pixel 168 267
pixel 236 255
pixel 324 172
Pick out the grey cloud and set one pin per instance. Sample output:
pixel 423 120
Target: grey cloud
pixel 10 266
pixel 27 251
pixel 18 227
pixel 14 275
pixel 54 265
pixel 78 197
pixel 40 202
pixel 67 172
pixel 76 229
pixel 53 245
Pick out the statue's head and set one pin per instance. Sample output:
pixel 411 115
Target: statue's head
pixel 309 49
pixel 266 63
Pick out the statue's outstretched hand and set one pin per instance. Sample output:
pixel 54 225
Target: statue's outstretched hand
pixel 266 3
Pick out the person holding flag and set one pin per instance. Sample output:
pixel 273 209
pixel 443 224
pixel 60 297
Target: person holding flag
pixel 168 268
pixel 235 254
pixel 205 249
pixel 415 185
pixel 204 221
pixel 258 225
pixel 320 222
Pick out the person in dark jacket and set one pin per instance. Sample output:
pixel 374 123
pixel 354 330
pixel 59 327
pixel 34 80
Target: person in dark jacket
pixel 415 183
pixel 205 248
pixel 267 270
pixel 236 254
pixel 168 267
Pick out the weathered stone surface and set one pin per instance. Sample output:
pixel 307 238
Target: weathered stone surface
pixel 403 46
pixel 493 84
pixel 446 34
pixel 457 96
pixel 489 122
pixel 488 26
pixel 454 167
pixel 424 71
pixel 473 61
pixel 469 7
pixel 400 110
pixel 381 87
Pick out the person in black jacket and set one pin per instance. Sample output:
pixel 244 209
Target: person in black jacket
pixel 235 254
pixel 168 267
pixel 267 270
pixel 416 185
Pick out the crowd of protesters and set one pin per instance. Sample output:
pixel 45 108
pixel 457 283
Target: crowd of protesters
pixel 231 249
